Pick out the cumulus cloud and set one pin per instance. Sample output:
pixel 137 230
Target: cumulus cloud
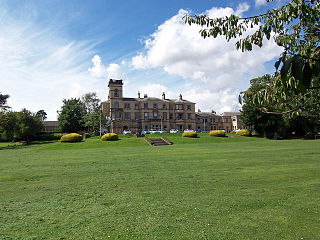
pixel 99 70
pixel 213 64
pixel 114 71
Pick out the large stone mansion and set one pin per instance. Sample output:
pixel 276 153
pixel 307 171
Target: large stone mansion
pixel 146 112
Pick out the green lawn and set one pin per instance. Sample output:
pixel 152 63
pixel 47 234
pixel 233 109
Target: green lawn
pixel 203 188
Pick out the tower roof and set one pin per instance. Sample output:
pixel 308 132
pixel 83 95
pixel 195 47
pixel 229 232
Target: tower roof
pixel 115 82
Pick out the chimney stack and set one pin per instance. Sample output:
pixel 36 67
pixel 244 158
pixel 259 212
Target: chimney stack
pixel 163 96
pixel 213 111
pixel 180 97
pixel 199 110
pixel 138 94
pixel 145 96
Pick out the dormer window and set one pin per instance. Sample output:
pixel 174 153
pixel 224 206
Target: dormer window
pixel 116 92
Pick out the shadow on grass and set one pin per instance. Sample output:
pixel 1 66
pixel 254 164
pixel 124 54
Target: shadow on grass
pixel 19 145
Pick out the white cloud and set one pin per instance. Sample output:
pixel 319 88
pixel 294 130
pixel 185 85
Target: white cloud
pixel 114 71
pixel 242 7
pixel 98 69
pixel 259 3
pixel 215 71
pixel 153 90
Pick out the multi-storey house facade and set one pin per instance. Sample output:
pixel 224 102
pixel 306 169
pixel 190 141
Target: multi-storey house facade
pixel 207 121
pixel 146 112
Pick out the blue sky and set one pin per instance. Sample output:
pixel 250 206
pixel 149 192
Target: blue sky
pixel 50 50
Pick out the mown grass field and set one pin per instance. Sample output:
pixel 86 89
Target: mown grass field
pixel 204 188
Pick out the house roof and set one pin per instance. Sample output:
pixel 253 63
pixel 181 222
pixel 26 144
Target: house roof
pixel 50 123
pixel 206 114
pixel 230 113
pixel 155 100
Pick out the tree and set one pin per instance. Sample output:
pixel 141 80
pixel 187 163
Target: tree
pixel 28 125
pixel 280 125
pixel 3 101
pixel 23 125
pixel 295 27
pixel 92 107
pixel 71 115
pixel 42 115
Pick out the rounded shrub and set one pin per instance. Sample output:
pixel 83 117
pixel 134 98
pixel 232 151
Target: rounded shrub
pixel 71 137
pixel 109 137
pixel 217 133
pixel 190 134
pixel 244 132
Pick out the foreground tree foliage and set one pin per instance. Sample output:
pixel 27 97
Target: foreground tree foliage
pixel 23 125
pixel 71 116
pixel 92 117
pixel 3 102
pixel 295 27
pixel 279 126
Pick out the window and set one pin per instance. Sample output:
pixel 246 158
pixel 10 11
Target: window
pixel 146 115
pixel 189 127
pixel 164 106
pixel 211 119
pixel 136 106
pixel 188 107
pixel 137 116
pixel 145 106
pixel 164 116
pixel 170 116
pixel 127 106
pixel 116 92
pixel 205 120
pixel 198 120
pixel 171 107
pixel 116 105
pixel 215 128
pixel 214 120
pixel 234 119
pixel 227 120
pixel 154 106
pixel 189 116
pixel 179 107
pixel 179 116
pixel 155 115
pixel 126 116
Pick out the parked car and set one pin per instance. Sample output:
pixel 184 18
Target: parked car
pixel 146 131
pixel 126 131
pixel 188 130
pixel 174 131
pixel 154 131
pixel 162 131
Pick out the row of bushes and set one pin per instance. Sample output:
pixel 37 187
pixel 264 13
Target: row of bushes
pixel 75 137
pixel 217 133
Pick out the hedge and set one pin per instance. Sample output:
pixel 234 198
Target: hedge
pixel 71 137
pixel 190 134
pixel 109 137
pixel 244 132
pixel 217 133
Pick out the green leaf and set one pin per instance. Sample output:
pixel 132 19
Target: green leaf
pixel 285 70
pixel 297 68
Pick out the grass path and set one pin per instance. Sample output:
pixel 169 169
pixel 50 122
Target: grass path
pixel 205 188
